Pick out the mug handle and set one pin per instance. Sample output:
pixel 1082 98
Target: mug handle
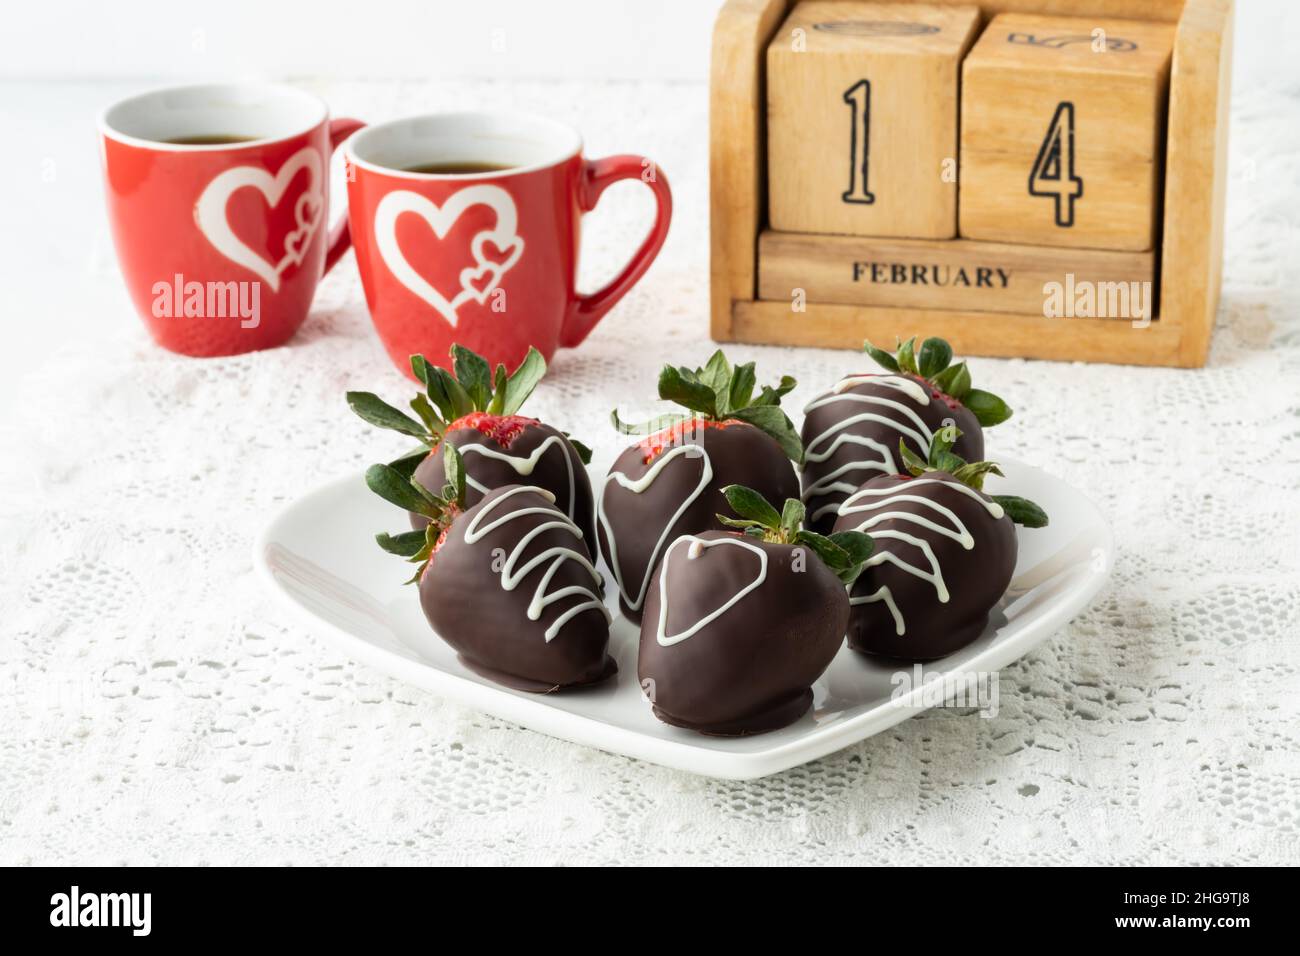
pixel 339 237
pixel 598 175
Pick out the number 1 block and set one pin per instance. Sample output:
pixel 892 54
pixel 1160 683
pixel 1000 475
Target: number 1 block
pixel 862 118
pixel 1062 129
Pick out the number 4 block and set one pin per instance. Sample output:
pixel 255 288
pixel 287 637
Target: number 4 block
pixel 1062 131
pixel 862 118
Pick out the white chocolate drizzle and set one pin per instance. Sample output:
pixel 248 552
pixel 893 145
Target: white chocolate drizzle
pixel 908 423
pixel 863 502
pixel 523 465
pixel 638 486
pixel 512 576
pixel 882 593
pixel 697 547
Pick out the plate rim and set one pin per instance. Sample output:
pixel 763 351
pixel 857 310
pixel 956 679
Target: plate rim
pixel 530 711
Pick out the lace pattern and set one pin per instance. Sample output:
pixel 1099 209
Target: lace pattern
pixel 159 707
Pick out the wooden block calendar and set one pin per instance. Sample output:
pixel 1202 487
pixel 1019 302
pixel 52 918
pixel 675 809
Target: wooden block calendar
pixel 1062 133
pixel 833 67
pixel 1153 218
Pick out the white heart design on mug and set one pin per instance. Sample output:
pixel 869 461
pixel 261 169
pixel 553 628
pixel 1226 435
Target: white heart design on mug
pixel 470 281
pixel 215 226
pixel 440 220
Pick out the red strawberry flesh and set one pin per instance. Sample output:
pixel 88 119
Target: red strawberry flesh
pixel 653 445
pixel 944 397
pixel 503 429
pixel 451 513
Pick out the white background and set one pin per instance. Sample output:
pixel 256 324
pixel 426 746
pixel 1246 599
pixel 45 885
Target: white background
pixel 507 39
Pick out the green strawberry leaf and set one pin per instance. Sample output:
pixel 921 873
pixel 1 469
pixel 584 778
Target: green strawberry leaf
pixel 943 440
pixel 428 414
pixel 772 396
pixel 406 465
pixel 946 461
pixel 584 453
pixel 716 372
pixel 454 465
pixel 395 488
pixel 934 357
pixel 857 544
pixel 752 506
pixel 376 411
pixel 987 408
pixel 771 420
pixel 933 362
pixel 742 386
pixel 792 515
pixel 449 400
pixel 913 463
pixel 973 474
pixel 954 381
pixel 844 552
pixel 429 496
pixel 421 557
pixel 718 390
pixel 459 401
pixel 498 391
pixel 831 553
pixel 436 391
pixel 1022 511
pixel 422 368
pixel 882 358
pixel 744 524
pixel 522 381
pixel 907 356
pixel 474 375
pixel 683 387
pixel 407 545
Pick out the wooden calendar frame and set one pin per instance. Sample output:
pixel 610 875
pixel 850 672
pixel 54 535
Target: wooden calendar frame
pixel 1190 251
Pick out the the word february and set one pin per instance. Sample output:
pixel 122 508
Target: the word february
pixel 916 273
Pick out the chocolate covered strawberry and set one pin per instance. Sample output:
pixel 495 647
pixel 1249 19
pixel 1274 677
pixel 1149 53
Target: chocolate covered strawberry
pixel 670 483
pixel 853 431
pixel 739 624
pixel 944 554
pixel 507 582
pixel 478 412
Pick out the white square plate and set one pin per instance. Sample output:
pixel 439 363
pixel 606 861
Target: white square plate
pixel 320 557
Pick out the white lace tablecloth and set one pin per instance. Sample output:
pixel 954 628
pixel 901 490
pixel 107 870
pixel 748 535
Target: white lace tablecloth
pixel 156 705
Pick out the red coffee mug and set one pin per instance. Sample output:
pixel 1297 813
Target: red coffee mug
pixel 218 199
pixel 483 251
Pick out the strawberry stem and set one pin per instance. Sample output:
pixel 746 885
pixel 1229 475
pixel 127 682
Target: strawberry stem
pixel 933 363
pixel 1022 511
pixel 845 552
pixel 720 392
pixel 407 493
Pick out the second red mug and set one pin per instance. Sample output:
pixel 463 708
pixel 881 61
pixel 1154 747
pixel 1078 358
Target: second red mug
pixel 466 229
